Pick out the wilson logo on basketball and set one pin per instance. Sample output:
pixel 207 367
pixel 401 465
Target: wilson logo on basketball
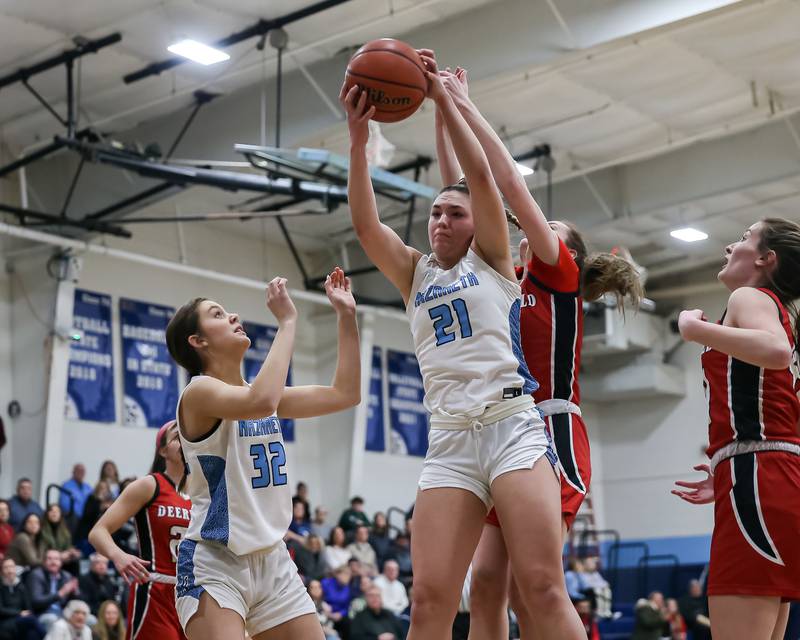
pixel 378 96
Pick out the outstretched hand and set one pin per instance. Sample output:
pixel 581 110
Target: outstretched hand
pixel 337 287
pixel 701 492
pixel 455 83
pixel 354 102
pixel 436 90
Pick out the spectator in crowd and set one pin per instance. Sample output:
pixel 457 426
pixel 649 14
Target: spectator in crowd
pixel 596 587
pixel 96 505
pixel 354 516
pixel 393 592
pixel 78 489
pixel 302 496
pixel 73 625
pixel 319 525
pixel 310 559
pixel 359 602
pixel 51 588
pixel 27 548
pixel 97 586
pixel 338 594
pixel 650 618
pixel 23 503
pixel 401 553
pixel 584 608
pixel 299 524
pixel 336 553
pixel 573 578
pixel 110 475
pixel 361 550
pixel 677 625
pixel 110 623
pixel 56 536
pixel 324 610
pixel 375 622
pixel 356 572
pixel 694 609
pixel 17 621
pixel 379 537
pixel 6 530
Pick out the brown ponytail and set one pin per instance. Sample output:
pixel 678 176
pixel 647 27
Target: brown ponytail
pixel 603 272
pixel 183 324
pixel 783 237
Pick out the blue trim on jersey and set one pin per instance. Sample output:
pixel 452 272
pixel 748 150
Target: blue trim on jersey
pixel 529 385
pixel 185 581
pixel 215 526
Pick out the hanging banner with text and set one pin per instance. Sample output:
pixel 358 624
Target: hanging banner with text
pixel 407 416
pixel 151 377
pixel 261 337
pixel 376 437
pixel 90 381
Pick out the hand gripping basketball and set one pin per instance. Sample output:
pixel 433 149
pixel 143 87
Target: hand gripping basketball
pixel 354 101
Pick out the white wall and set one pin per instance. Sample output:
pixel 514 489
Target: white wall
pixel 6 384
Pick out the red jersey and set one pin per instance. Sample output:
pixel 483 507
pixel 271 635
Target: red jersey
pixel 746 402
pixel 161 524
pixel 551 322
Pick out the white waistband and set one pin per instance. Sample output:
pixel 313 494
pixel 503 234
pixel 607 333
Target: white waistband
pixel 163 579
pixel 492 414
pixel 555 406
pixel 751 446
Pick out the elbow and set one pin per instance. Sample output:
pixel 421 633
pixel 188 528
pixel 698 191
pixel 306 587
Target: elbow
pixel 781 358
pixel 354 398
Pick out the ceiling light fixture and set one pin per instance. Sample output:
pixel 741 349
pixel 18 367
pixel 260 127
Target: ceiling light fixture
pixel 198 52
pixel 688 234
pixel 524 170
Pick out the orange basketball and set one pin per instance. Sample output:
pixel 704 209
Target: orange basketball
pixel 392 74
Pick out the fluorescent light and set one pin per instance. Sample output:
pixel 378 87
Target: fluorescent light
pixel 525 171
pixel 688 234
pixel 198 52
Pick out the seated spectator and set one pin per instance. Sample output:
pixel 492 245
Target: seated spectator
pixel 362 551
pixel 588 619
pixel 6 530
pixel 694 610
pixel 401 553
pixel 302 496
pixel 79 490
pixel 96 505
pixel 299 524
pixel 596 587
pixel 379 537
pixel 356 573
pixel 97 586
pixel 110 475
pixel 650 618
pixel 56 536
pixel 572 576
pixel 354 516
pixel 359 602
pixel 677 625
pixel 16 613
pixel 51 588
pixel 73 625
pixel 320 525
pixel 310 559
pixel 336 553
pixel 22 504
pixel 27 548
pixel 338 594
pixel 110 623
pixel 324 610
pixel 375 622
pixel 393 592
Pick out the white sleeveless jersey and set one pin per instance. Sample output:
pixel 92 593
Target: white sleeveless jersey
pixel 465 327
pixel 238 485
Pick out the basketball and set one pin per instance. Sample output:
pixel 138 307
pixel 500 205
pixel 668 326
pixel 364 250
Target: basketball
pixel 393 75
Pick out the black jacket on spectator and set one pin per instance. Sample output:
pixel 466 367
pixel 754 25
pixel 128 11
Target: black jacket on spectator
pixel 39 588
pixel 690 609
pixel 382 545
pixel 13 601
pixel 312 566
pixel 368 625
pixel 95 590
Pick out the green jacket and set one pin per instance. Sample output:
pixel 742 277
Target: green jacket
pixel 649 624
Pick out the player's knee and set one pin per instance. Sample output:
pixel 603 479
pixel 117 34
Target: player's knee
pixel 428 602
pixel 540 590
pixel 488 583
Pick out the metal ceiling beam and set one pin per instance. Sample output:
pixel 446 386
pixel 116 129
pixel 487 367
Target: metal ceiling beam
pixel 49 219
pixel 258 29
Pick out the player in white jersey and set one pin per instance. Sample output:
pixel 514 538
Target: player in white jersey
pixel 234 571
pixel 487 443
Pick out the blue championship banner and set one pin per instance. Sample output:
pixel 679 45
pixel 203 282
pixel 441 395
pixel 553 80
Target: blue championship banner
pixel 90 381
pixel 261 337
pixel 376 437
pixel 407 415
pixel 151 377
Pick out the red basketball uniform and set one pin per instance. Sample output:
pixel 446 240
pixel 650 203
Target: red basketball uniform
pixel 551 324
pixel 754 548
pixel 160 526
